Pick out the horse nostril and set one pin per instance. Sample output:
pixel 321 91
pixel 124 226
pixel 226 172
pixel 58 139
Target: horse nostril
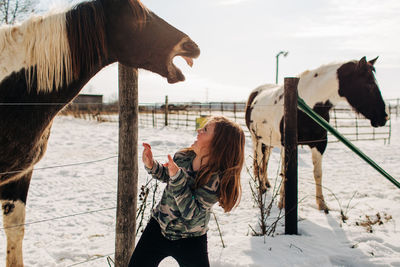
pixel 191 46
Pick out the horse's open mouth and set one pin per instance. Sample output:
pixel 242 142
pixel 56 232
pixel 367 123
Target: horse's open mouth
pixel 188 50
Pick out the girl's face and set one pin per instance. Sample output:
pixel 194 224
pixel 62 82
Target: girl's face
pixel 204 136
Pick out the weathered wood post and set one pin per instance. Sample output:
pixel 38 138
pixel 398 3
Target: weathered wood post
pixel 234 110
pixel 153 111
pixel 166 111
pixel 127 165
pixel 290 138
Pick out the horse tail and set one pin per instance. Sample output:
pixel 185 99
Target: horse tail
pixel 249 108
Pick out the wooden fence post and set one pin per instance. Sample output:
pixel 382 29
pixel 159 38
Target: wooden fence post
pixel 153 110
pixel 127 165
pixel 234 110
pixel 290 138
pixel 166 111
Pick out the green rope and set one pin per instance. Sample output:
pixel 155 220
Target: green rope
pixel 306 109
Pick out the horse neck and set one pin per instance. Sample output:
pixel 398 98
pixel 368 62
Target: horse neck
pixel 50 58
pixel 320 85
pixel 87 38
pixel 39 43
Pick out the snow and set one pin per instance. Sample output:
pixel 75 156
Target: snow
pixel 71 206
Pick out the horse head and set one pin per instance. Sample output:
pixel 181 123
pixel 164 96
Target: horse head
pixel 138 38
pixel 358 85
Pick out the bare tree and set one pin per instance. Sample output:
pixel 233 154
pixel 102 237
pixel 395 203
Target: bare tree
pixel 14 10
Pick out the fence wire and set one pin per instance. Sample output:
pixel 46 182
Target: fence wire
pixel 187 119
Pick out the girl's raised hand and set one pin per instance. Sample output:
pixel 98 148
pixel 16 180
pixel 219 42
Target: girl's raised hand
pixel 171 165
pixel 147 156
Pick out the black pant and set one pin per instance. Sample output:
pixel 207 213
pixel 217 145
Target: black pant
pixel 153 247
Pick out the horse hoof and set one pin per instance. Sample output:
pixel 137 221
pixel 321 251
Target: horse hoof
pixel 263 189
pixel 324 207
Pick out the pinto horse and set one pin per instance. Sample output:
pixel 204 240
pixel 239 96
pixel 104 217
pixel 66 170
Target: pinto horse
pixel 322 88
pixel 48 59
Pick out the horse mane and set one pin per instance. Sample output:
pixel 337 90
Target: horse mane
pixel 54 49
pixel 321 70
pixel 140 12
pixel 87 37
pixel 39 43
pixel 311 82
pixel 86 30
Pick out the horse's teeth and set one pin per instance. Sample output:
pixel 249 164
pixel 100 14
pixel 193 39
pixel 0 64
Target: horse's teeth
pixel 188 60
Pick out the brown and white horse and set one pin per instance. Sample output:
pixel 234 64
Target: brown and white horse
pixel 48 59
pixel 322 88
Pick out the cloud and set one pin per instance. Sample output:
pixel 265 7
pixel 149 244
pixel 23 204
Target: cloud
pixel 364 26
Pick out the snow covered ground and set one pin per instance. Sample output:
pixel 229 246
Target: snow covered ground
pixel 71 206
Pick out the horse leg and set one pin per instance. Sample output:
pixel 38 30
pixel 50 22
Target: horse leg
pixel 281 203
pixel 256 166
pixel 260 164
pixel 13 201
pixel 266 150
pixel 317 162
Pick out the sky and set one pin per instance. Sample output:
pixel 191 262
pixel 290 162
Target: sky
pixel 239 41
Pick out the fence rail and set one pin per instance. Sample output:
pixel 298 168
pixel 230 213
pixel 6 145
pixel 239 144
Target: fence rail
pixel 183 115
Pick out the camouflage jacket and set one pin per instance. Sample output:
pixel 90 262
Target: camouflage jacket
pixel 183 211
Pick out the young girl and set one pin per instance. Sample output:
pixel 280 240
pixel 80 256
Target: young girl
pixel 197 178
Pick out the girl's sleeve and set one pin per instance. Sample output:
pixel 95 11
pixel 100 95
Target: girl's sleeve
pixel 193 202
pixel 158 172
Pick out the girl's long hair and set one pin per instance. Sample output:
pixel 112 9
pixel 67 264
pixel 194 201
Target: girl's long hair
pixel 225 158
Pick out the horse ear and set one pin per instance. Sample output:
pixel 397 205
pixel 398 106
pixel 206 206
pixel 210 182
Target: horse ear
pixel 362 63
pixel 372 61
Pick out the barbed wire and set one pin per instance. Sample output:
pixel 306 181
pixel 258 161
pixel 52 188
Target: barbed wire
pixel 73 164
pixel 69 165
pixel 306 179
pixel 61 166
pixel 191 107
pixel 57 218
pixel 83 213
pixel 193 104
pixel 90 260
